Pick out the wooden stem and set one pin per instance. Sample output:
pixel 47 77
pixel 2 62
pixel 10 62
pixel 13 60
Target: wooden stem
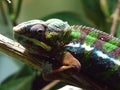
pixel 17 51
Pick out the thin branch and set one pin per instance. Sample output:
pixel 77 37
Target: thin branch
pixel 17 51
pixel 50 85
pixel 115 17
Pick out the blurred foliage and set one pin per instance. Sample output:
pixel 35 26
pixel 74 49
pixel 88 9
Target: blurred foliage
pixel 94 13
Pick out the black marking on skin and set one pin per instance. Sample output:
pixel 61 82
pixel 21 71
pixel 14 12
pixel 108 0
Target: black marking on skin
pixel 114 80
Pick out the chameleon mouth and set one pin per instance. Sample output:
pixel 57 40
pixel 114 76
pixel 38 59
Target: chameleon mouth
pixel 41 44
pixel 35 41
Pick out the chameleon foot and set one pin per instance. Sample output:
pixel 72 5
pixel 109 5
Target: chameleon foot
pixel 70 66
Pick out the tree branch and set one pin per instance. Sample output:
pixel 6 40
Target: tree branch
pixel 17 51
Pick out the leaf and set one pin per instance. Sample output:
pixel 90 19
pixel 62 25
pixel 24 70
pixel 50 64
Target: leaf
pixel 99 12
pixel 108 7
pixel 25 71
pixel 18 84
pixel 70 17
pixel 118 31
pixel 7 67
pixel 93 12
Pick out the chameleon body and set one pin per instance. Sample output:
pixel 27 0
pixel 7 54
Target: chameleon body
pixel 96 53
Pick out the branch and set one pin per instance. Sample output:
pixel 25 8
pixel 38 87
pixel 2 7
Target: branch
pixel 115 17
pixel 17 51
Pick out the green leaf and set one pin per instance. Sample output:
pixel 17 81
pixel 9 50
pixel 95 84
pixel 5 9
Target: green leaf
pixel 18 84
pixel 99 12
pixel 104 7
pixel 108 6
pixel 93 12
pixel 118 31
pixel 25 71
pixel 70 17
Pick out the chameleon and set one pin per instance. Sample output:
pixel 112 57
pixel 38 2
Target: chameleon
pixel 77 48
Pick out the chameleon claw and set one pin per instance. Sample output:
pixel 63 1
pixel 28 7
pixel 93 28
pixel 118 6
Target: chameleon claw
pixel 70 66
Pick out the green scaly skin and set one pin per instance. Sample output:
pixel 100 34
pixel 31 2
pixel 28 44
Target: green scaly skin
pixel 98 52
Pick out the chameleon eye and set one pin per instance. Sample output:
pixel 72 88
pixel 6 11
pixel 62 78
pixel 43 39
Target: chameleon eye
pixel 37 28
pixel 37 31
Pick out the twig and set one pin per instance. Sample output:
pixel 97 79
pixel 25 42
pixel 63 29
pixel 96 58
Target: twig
pixel 115 17
pixel 50 85
pixel 17 51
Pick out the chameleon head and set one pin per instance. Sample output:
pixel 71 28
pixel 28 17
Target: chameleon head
pixel 45 34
